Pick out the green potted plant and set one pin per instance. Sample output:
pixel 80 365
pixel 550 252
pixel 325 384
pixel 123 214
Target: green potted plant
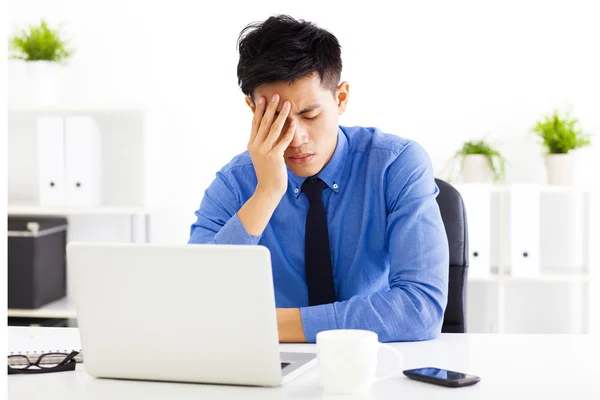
pixel 480 162
pixel 560 136
pixel 37 55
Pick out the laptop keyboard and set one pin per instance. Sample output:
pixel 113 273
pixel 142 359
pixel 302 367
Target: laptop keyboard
pixel 283 365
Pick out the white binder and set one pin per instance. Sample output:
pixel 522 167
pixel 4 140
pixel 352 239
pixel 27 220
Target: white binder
pixel 477 199
pixel 83 154
pixel 524 233
pixel 52 184
pixel 562 234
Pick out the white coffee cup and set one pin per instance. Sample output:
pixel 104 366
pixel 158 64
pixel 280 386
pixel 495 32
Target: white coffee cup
pixel 347 360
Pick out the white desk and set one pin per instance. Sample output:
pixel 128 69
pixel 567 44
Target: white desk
pixel 510 366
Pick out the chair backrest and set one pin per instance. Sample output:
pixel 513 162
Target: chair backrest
pixel 454 216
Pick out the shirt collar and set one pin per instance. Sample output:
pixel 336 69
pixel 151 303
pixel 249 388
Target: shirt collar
pixel 331 174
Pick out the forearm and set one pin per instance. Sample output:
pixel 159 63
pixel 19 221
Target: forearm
pixel 257 211
pixel 289 324
pixel 220 223
pixel 406 313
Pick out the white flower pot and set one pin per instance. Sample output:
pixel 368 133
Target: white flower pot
pixel 475 168
pixel 560 169
pixel 34 83
pixel 17 78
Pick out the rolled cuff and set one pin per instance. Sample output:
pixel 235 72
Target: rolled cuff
pixel 234 232
pixel 316 319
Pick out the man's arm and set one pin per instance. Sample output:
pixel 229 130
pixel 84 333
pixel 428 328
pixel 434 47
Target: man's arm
pixel 289 324
pixel 215 225
pixel 413 307
pixel 220 218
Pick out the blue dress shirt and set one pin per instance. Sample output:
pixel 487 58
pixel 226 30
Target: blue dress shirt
pixel 388 243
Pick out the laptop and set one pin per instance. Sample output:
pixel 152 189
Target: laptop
pixel 182 313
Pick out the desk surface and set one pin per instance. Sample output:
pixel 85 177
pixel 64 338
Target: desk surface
pixel 510 366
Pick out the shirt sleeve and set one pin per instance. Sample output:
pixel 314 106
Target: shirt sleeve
pixel 217 220
pixel 413 307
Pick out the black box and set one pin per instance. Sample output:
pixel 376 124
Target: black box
pixel 45 322
pixel 36 261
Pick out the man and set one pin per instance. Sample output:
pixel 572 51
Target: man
pixel 348 213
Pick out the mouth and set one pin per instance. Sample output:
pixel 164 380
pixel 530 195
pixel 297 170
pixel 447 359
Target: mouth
pixel 301 159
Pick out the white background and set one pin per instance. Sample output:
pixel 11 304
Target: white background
pixel 439 72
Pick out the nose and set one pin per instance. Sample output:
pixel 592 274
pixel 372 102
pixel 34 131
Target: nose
pixel 300 137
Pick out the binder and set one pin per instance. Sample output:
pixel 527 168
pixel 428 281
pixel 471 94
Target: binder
pixel 52 184
pixel 524 232
pixel 562 234
pixel 82 155
pixel 477 199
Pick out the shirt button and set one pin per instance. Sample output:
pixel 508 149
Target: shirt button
pixel 335 186
pixel 296 190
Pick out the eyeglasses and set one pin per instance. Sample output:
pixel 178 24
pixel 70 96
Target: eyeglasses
pixel 49 362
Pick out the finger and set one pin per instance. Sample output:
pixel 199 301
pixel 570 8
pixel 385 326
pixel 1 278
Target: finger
pixel 267 119
pixel 259 110
pixel 286 138
pixel 277 125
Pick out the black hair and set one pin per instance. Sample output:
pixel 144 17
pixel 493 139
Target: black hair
pixel 282 48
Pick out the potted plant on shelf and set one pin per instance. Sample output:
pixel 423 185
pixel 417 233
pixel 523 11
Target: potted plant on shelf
pixel 37 55
pixel 480 162
pixel 560 136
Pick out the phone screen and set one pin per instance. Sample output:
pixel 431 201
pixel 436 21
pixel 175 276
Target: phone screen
pixel 442 374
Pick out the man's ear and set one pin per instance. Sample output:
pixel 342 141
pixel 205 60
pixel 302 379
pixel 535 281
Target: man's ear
pixel 250 103
pixel 341 95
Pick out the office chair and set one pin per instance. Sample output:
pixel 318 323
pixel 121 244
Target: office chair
pixel 454 216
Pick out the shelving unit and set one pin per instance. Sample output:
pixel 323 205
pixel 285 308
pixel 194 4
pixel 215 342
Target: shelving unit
pixel 135 215
pixel 33 209
pixel 497 291
pixel 127 143
pixel 553 277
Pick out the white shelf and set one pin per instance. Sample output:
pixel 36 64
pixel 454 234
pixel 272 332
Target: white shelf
pixel 543 188
pixel 32 209
pixel 554 277
pixel 543 277
pixel 67 108
pixel 481 279
pixel 63 308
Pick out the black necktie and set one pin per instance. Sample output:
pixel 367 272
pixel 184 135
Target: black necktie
pixel 319 271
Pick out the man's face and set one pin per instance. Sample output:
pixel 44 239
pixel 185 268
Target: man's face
pixel 316 111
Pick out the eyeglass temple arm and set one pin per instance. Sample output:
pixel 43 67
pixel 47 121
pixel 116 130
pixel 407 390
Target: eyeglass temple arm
pixel 70 357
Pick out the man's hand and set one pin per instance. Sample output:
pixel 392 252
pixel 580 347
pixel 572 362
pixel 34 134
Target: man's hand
pixel 289 324
pixel 266 147
pixel 267 144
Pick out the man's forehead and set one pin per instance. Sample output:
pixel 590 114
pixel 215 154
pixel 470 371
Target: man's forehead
pixel 301 92
pixel 297 97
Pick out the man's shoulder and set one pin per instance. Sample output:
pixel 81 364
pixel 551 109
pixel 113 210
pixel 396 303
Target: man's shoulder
pixel 241 163
pixel 371 139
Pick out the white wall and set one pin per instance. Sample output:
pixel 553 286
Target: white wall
pixel 439 72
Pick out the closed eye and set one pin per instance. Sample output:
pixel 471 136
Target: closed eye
pixel 310 119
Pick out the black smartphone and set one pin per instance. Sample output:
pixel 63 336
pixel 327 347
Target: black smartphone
pixel 442 377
